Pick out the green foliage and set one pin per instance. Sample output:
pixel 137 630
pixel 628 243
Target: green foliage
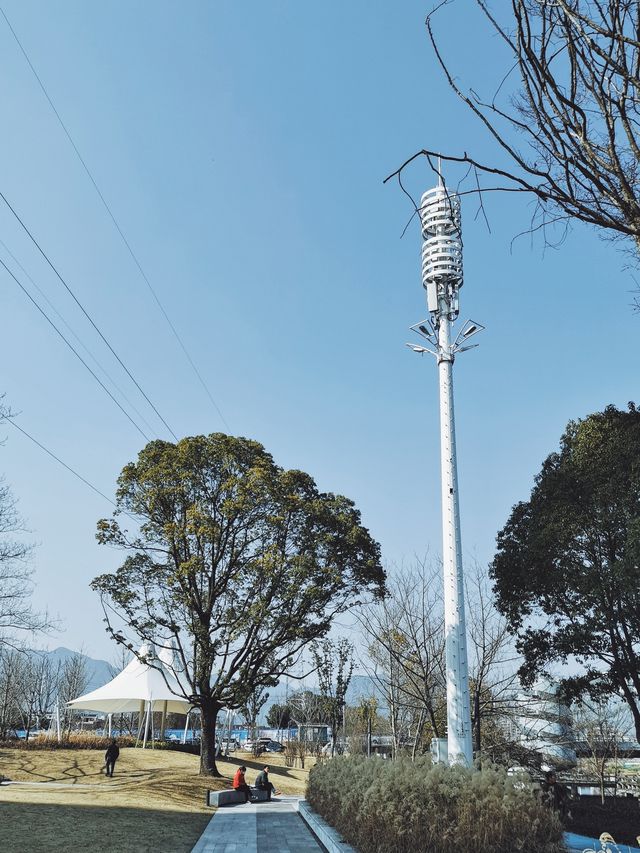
pixel 567 568
pixel 402 807
pixel 173 746
pixel 237 564
pixel 279 716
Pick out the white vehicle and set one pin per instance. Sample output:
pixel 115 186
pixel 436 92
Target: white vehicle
pixel 229 745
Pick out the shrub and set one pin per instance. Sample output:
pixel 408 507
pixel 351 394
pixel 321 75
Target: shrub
pixel 176 746
pixel 75 740
pixel 400 806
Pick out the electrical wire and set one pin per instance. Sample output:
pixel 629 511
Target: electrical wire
pixel 64 464
pixel 78 339
pixel 73 350
pixel 85 312
pixel 57 458
pixel 115 221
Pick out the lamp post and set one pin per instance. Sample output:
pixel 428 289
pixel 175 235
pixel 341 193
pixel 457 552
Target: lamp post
pixel 442 278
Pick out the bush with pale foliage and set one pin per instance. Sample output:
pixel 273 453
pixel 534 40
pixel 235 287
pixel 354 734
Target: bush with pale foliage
pixel 402 806
pixel 73 740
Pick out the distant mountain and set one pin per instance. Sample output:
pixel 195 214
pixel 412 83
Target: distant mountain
pixel 99 671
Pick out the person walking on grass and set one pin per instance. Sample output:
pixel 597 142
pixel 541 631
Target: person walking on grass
pixel 263 783
pixel 239 783
pixel 111 756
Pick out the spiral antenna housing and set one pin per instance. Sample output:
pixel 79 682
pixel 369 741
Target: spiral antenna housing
pixel 442 274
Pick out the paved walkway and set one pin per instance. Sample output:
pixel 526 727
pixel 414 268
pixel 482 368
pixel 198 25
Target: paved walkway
pixel 274 827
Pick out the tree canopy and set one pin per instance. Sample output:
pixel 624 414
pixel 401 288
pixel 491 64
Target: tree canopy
pixel 236 563
pixel 567 567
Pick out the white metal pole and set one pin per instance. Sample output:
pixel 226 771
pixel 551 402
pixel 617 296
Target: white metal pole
pixel 186 728
pixel 163 719
pixel 146 726
pixel 442 278
pixel 460 747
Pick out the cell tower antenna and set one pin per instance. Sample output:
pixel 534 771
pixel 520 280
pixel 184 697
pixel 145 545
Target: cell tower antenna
pixel 442 278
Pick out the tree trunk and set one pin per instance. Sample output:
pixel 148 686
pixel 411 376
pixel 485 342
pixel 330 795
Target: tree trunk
pixel 209 713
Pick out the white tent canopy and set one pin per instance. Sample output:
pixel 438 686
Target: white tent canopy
pixel 137 683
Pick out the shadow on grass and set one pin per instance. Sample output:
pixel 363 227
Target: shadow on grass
pixel 40 828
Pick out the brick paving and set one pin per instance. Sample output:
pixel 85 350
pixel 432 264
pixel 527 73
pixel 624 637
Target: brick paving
pixel 274 827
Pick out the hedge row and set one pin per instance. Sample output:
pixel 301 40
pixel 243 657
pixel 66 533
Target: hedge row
pixel 402 806
pixel 84 740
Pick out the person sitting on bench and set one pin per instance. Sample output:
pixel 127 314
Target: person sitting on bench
pixel 263 783
pixel 239 783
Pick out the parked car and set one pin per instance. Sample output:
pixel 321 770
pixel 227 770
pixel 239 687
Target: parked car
pixel 230 745
pixel 274 746
pixel 254 746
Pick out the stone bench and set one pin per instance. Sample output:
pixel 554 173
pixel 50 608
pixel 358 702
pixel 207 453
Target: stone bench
pixel 231 797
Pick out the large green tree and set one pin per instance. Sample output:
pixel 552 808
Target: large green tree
pixel 567 567
pixel 233 562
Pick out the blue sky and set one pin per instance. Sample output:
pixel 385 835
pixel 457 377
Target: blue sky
pixel 242 147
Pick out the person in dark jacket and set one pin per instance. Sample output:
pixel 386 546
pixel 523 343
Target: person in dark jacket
pixel 262 783
pixel 111 756
pixel 555 794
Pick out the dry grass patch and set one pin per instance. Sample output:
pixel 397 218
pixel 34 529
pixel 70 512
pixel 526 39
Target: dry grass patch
pixel 155 801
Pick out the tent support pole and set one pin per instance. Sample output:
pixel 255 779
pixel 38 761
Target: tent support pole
pixel 140 721
pixel 146 726
pixel 109 719
pixel 186 728
pixel 163 719
pixel 229 723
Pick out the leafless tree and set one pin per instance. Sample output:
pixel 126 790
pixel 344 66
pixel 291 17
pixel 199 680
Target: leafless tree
pixel 17 616
pixel 600 727
pixel 255 703
pixel 74 680
pixel 37 690
pixel 568 128
pixel 306 707
pixel 10 665
pixel 18 619
pixel 492 657
pixel 406 654
pixel 333 660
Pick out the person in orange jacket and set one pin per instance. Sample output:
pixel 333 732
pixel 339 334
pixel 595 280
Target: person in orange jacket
pixel 239 783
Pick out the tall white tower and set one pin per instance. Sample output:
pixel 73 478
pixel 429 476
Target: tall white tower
pixel 442 279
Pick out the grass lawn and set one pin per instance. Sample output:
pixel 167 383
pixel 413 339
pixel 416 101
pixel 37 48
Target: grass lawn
pixel 155 802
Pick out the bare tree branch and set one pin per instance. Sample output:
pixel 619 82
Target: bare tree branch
pixel 570 131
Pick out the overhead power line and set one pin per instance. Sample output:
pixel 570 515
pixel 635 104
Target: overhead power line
pixel 71 470
pixel 77 338
pixel 74 350
pixel 84 311
pixel 126 242
pixel 57 458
